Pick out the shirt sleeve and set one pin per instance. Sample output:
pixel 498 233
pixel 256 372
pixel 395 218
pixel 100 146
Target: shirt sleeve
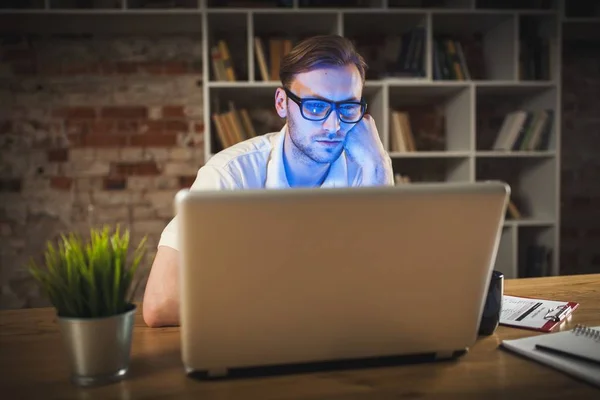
pixel 208 178
pixel 362 180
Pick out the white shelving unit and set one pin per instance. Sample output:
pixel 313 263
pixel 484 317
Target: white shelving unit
pixel 537 173
pixel 534 175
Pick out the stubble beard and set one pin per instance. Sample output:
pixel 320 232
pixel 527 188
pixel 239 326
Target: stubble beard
pixel 308 151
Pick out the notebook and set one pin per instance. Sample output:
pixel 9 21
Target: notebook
pixel 564 351
pixel 583 343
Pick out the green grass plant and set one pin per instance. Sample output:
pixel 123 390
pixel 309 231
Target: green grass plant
pixel 92 277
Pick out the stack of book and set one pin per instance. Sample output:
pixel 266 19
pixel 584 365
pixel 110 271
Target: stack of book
pixel 525 130
pixel 270 61
pixel 222 63
pixel 401 137
pixel 458 59
pixel 233 126
pixel 417 128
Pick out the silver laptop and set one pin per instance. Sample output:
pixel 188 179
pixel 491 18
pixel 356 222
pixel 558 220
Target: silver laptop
pixel 296 279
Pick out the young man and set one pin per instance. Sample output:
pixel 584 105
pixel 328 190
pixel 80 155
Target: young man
pixel 328 141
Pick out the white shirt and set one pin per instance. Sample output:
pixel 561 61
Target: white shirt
pixel 257 163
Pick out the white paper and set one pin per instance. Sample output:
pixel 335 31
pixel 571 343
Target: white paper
pixel 531 313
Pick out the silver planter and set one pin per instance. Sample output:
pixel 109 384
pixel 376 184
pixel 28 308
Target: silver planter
pixel 98 349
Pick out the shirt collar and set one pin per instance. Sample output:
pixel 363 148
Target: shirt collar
pixel 277 179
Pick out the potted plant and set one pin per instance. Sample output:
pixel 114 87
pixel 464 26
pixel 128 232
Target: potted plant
pixel 90 283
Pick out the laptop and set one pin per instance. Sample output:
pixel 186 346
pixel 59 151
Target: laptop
pixel 305 279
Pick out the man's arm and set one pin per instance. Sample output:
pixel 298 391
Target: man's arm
pixel 161 297
pixel 378 174
pixel 364 147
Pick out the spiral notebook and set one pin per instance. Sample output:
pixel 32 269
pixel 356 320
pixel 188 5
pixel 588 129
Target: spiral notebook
pixel 575 352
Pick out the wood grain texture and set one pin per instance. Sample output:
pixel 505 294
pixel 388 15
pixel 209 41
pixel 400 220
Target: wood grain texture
pixel 33 364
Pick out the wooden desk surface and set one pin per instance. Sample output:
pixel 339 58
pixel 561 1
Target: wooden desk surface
pixel 33 365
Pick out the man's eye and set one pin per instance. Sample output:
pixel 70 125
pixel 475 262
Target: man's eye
pixel 317 107
pixel 349 109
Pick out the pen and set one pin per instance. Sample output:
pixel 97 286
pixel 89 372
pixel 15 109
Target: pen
pixel 565 354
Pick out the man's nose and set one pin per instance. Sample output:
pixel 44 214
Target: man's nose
pixel 332 123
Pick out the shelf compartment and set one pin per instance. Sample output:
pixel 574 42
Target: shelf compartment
pixel 534 132
pixel 538 48
pixel 536 256
pixel 258 101
pixel 432 169
pixel 439 116
pixel 532 182
pixel 484 42
pixel 227 33
pixel 393 44
pixel 280 32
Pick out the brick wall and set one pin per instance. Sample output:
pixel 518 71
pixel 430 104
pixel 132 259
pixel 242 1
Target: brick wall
pixel 96 130
pixel 92 131
pixel 580 181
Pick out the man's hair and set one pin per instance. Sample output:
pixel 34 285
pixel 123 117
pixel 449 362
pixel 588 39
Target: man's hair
pixel 320 51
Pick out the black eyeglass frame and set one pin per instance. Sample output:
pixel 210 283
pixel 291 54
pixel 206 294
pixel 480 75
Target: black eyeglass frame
pixel 334 106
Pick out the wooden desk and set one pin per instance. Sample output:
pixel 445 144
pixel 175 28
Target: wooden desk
pixel 33 365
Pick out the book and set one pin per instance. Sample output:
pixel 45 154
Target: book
pixel 574 341
pixel 261 59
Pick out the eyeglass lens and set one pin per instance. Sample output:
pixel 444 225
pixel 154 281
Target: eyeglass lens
pixel 315 109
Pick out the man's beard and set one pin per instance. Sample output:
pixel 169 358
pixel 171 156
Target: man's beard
pixel 309 149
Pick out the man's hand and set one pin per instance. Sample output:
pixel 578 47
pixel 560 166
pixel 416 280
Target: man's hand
pixel 364 146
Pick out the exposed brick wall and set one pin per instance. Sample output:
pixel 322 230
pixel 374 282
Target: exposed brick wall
pixel 580 181
pixel 92 131
pixel 96 130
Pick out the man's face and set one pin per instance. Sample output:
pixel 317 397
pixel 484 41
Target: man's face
pixel 322 141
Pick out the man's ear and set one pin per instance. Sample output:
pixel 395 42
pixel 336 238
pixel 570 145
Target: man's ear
pixel 281 102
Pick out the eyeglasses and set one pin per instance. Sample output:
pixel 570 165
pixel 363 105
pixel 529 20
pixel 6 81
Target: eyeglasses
pixel 314 109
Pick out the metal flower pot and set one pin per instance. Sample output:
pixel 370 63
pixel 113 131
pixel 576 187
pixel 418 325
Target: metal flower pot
pixel 98 349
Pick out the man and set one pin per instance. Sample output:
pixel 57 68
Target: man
pixel 328 141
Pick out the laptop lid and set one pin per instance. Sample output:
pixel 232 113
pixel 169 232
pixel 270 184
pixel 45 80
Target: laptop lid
pixel 272 277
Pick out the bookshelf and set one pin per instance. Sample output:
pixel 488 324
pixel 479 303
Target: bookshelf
pixel 455 114
pixel 444 111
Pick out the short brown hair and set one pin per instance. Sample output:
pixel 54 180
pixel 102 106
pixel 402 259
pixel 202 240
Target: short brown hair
pixel 319 51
